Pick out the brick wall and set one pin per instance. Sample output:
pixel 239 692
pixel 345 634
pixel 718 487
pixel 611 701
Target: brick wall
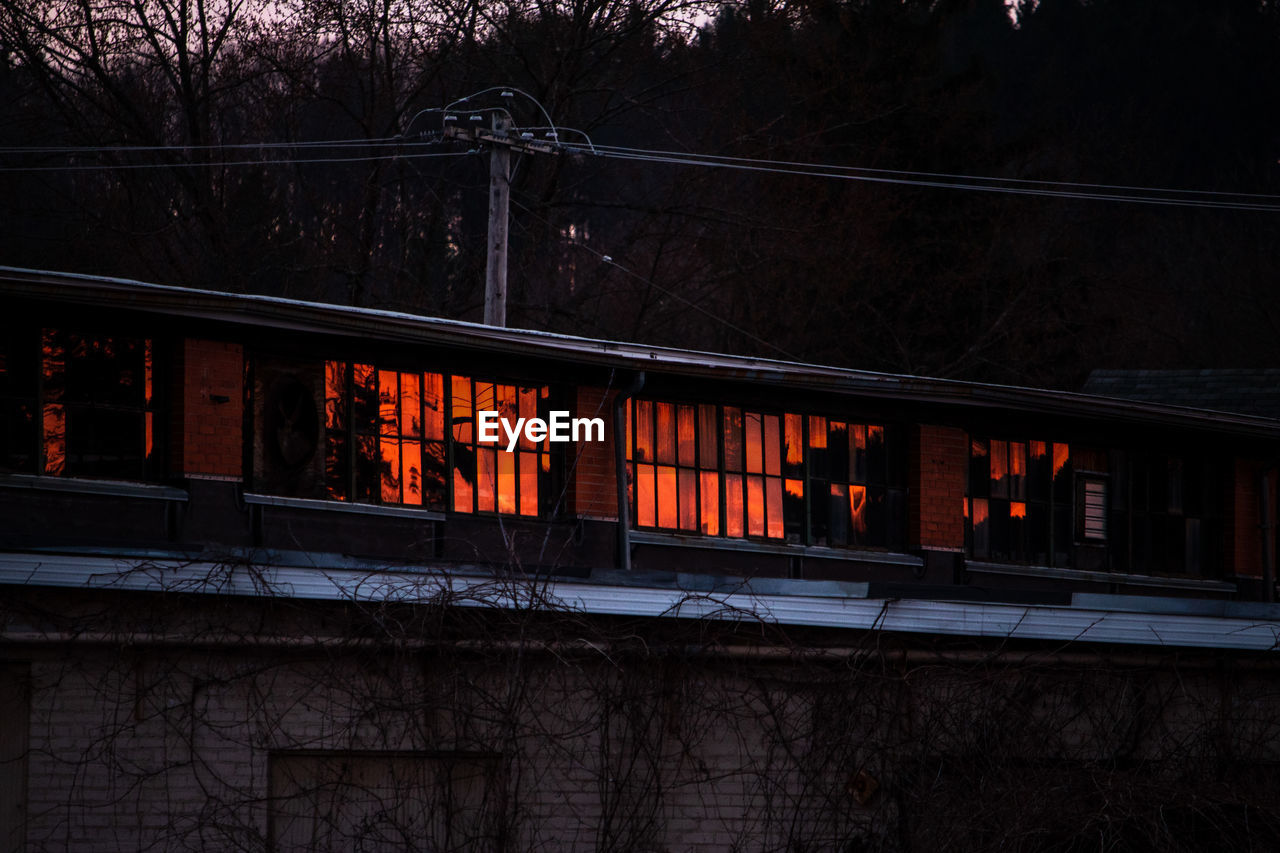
pixel 140 747
pixel 938 458
pixel 207 426
pixel 592 469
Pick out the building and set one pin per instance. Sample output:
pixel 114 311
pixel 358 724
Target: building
pixel 265 586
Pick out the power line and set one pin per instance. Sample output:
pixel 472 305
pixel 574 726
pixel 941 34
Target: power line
pixel 908 173
pixel 374 142
pixel 782 167
pixel 219 164
pixel 1157 196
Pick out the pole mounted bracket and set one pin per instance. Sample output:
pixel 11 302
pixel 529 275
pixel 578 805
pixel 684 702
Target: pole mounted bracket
pixel 488 136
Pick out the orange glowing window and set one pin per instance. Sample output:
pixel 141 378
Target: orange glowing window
pixel 391 436
pixel 515 481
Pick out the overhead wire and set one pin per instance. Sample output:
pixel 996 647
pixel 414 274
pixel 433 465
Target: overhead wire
pixel 1068 190
pixel 1224 200
pixel 218 164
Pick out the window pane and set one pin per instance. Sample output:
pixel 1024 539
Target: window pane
pixel 772 446
pixel 53 366
pixel 411 404
pixel 838 515
pixel 688 499
pixel 486 477
pixel 794 455
pixel 433 405
pixel 105 442
pixel 528 484
pixel 1038 533
pixel 506 481
pixel 732 439
pixel 54 425
pixel 337 466
pixel 752 440
pixel 998 511
pixel 365 399
pixel 486 399
pixel 460 410
pixel 981 529
pixel 733 505
pixel 388 402
pixel 1061 473
pixel 1017 530
pixel 1038 471
pixel 645 493
pixel 837 450
pixel 668 515
pixel 755 458
pixel 858 456
pixel 528 411
pixel 793 509
pixel 710 497
pixel 999 470
pixel 773 507
pixel 644 431
pixel 411 472
pixel 858 514
pixel 755 506
pixel 686 436
pixel 433 475
pixel 368 476
pixel 1018 470
pixel 708 432
pixel 666 433
pixel 817 432
pixel 463 480
pixel 1062 538
pixel 877 514
pixel 979 469
pixel 389 469
pixel 877 456
pixel 335 396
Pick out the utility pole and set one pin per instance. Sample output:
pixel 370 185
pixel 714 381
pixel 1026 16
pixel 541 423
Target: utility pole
pixel 501 143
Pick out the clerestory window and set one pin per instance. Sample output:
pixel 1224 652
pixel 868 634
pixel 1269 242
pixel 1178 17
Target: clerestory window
pixel 738 472
pixel 1019 502
pixel 404 437
pixel 75 404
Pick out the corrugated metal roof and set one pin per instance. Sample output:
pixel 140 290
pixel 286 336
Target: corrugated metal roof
pixel 846 607
pixel 276 312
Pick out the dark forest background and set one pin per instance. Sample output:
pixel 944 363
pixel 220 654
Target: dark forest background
pixel 1016 288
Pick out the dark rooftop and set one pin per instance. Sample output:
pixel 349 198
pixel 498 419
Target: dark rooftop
pixel 1245 391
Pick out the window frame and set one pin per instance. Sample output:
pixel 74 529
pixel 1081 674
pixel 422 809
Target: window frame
pixel 442 430
pixel 1014 490
pixel 783 481
pixel 50 405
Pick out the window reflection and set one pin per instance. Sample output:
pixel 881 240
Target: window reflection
pixel 397 422
pixel 95 399
pixel 741 473
pixel 1019 491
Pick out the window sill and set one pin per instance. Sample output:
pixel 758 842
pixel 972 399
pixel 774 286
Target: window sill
pixel 708 543
pixel 344 506
pixel 113 488
pixel 1099 577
